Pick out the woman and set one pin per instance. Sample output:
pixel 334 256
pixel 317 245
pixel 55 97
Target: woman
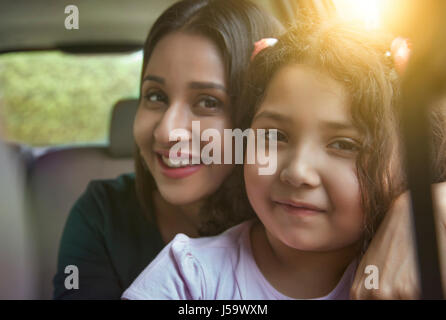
pixel 194 60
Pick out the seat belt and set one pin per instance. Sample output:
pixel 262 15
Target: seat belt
pixel 416 131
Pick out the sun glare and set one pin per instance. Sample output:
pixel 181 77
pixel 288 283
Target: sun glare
pixel 365 12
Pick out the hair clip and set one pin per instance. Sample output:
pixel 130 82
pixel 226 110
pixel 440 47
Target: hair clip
pixel 262 44
pixel 400 50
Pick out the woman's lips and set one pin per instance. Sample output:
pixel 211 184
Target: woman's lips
pixel 177 172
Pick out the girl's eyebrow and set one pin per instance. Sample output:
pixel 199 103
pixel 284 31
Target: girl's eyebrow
pixel 272 115
pixel 329 125
pixel 338 125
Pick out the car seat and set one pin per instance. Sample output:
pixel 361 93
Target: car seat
pixel 57 178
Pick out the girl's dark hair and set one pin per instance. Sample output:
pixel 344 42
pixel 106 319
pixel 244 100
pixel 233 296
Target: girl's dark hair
pixel 233 25
pixel 437 118
pixel 361 62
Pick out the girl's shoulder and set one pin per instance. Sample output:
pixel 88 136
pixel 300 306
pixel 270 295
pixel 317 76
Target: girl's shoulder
pixel 193 268
pixel 220 248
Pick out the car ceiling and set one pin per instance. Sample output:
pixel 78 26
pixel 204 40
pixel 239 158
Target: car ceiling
pixel 39 24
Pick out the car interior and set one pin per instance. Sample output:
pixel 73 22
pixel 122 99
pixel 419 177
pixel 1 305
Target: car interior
pixel 41 179
pixel 47 179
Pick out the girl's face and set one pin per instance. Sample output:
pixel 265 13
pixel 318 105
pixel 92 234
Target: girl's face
pixel 312 202
pixel 184 81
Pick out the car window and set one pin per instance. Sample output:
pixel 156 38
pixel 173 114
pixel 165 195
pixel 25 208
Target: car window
pixel 52 98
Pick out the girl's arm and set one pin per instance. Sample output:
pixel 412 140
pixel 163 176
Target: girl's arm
pixel 392 251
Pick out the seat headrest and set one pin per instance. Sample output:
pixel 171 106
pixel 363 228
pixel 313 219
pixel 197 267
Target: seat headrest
pixel 121 128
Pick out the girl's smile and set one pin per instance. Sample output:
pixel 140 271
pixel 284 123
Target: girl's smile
pixel 299 208
pixel 313 201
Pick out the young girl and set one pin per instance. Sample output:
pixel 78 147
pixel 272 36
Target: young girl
pixel 330 94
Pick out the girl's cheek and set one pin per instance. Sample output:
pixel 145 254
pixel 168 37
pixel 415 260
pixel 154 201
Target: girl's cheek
pixel 250 176
pixel 345 192
pixel 258 188
pixel 263 184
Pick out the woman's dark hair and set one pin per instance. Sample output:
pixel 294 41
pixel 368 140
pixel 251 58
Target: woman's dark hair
pixel 233 25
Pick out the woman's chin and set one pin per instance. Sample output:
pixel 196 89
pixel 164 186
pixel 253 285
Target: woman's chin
pixel 182 196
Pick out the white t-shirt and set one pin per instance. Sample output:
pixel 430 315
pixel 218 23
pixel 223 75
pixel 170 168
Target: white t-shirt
pixel 214 268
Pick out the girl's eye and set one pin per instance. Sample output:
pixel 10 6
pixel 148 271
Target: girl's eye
pixel 345 145
pixel 280 135
pixel 209 103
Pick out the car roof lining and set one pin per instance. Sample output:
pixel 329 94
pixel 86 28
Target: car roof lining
pixel 39 24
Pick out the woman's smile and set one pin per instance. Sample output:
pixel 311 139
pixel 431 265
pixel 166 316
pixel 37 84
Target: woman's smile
pixel 176 171
pixel 184 83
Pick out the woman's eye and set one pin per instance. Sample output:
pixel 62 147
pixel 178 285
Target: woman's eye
pixel 209 103
pixel 345 145
pixel 156 96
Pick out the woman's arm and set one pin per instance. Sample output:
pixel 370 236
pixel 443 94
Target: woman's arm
pixel 392 251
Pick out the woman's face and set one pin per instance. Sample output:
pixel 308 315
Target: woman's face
pixel 312 202
pixel 184 81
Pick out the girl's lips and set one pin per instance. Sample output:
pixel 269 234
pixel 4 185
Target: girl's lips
pixel 299 208
pixel 177 173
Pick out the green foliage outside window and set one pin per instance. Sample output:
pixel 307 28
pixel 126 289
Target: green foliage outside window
pixel 53 98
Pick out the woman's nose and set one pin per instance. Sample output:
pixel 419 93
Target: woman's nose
pixel 301 170
pixel 177 116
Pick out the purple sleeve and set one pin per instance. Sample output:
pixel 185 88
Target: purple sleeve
pixel 175 274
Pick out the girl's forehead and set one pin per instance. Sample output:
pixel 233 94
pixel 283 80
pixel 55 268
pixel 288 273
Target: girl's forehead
pixel 299 89
pixel 301 78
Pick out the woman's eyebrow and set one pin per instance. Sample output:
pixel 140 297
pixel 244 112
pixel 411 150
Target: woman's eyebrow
pixel 207 85
pixel 154 78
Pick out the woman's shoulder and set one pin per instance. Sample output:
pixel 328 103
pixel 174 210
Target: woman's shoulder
pixel 109 195
pixel 117 187
pixel 108 237
pixel 110 204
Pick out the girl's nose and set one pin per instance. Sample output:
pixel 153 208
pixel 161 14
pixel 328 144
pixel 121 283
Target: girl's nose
pixel 301 171
pixel 176 116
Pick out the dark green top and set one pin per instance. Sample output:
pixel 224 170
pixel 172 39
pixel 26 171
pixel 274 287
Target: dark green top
pixel 108 238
